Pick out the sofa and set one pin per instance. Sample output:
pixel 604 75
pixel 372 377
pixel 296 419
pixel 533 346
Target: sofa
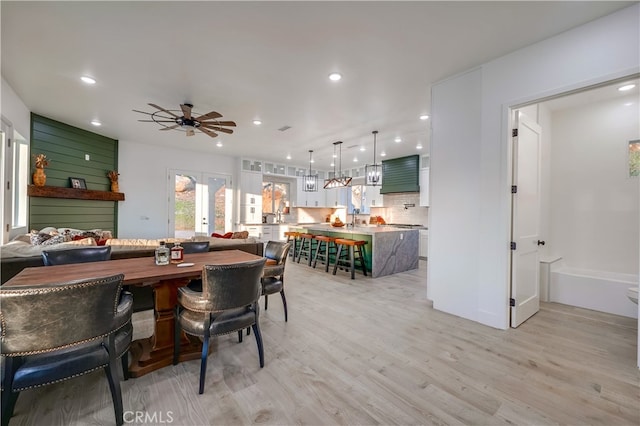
pixel 20 254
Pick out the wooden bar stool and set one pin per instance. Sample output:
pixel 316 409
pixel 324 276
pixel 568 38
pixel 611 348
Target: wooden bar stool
pixel 292 237
pixel 306 247
pixel 356 254
pixel 324 252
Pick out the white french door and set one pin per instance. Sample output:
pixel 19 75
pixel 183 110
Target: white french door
pixel 199 203
pixel 525 222
pixel 14 170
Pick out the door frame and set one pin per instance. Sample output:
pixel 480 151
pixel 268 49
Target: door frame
pixel 201 176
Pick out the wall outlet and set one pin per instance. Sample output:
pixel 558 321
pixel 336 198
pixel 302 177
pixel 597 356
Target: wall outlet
pixel 87 157
pixel 401 236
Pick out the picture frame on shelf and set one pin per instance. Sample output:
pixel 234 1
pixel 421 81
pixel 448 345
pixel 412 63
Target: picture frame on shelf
pixel 77 183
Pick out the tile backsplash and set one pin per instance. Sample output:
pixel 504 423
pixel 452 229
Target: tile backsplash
pixel 393 212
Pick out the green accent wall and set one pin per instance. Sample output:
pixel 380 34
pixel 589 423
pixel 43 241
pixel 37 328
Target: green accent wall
pixel 401 175
pixel 65 147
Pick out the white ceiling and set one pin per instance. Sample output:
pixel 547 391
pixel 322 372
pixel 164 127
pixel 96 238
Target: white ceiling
pixel 267 61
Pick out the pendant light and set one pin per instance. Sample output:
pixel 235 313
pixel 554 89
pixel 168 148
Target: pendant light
pixel 373 172
pixel 338 180
pixel 310 181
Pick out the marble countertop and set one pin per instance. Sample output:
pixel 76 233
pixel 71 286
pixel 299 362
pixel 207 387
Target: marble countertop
pixel 359 229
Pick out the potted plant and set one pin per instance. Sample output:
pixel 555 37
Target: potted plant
pixel 113 177
pixel 39 178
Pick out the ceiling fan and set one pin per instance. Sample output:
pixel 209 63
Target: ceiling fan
pixel 171 120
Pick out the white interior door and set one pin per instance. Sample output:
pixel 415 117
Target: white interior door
pixel 525 221
pixel 199 203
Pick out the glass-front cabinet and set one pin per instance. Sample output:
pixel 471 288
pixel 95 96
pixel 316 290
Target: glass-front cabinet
pixel 252 165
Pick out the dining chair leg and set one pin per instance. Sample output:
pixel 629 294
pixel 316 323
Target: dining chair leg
pixel 256 331
pixel 114 383
pixel 284 303
pixel 266 301
pixel 8 398
pixel 239 336
pixel 124 360
pixel 203 360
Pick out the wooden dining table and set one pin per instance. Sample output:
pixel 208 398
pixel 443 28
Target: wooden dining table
pixel 156 351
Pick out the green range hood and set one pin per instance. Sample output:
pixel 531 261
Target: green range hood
pixel 401 175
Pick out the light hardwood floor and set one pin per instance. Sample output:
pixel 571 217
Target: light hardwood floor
pixel 367 352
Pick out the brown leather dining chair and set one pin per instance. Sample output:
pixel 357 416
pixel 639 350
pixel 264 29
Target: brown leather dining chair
pixel 273 275
pixel 228 303
pixel 55 332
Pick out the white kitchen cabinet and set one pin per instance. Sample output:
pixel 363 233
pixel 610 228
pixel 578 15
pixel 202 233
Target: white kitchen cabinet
pixel 337 197
pixel 251 188
pixel 309 199
pixel 374 197
pixel 424 243
pixel 424 187
pixel 252 165
pixel 250 214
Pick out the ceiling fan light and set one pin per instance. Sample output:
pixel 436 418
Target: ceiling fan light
pixel 257 122
pixel 424 117
pixel 335 76
pixel 88 80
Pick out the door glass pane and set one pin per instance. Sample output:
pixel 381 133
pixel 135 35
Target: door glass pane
pixel 267 197
pixel 185 206
pixel 217 205
pixel 20 176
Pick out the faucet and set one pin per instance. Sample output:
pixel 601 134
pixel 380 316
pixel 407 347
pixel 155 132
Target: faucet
pixel 353 217
pixel 278 216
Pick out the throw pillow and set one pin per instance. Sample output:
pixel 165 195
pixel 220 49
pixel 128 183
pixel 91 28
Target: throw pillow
pixel 240 235
pixel 56 239
pixel 37 238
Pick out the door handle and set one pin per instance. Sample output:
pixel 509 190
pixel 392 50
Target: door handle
pixel 540 242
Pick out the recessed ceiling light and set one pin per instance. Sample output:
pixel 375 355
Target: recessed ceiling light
pixel 312 161
pixel 219 144
pixel 424 117
pixel 626 87
pixel 96 123
pixel 332 164
pixel 362 148
pixel 355 159
pixel 334 156
pixel 383 154
pixel 88 80
pixel 257 122
pixel 288 157
pixel 397 140
pixel 335 76
pixel 419 146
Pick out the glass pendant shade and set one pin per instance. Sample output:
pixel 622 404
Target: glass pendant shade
pixel 338 180
pixel 310 181
pixel 373 172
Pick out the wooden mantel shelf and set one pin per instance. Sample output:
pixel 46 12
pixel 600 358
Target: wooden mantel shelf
pixel 79 194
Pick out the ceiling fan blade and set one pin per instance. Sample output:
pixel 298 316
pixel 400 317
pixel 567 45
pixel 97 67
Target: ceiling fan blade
pixel 165 110
pixel 186 110
pixel 216 128
pixel 190 132
pixel 208 132
pixel 220 123
pixel 208 116
pixel 170 127
pixel 158 121
pixel 142 112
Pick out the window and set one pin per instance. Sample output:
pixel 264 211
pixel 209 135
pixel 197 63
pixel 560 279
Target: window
pixel 20 177
pixel 275 196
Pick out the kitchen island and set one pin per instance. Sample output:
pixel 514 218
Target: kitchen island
pixel 389 250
